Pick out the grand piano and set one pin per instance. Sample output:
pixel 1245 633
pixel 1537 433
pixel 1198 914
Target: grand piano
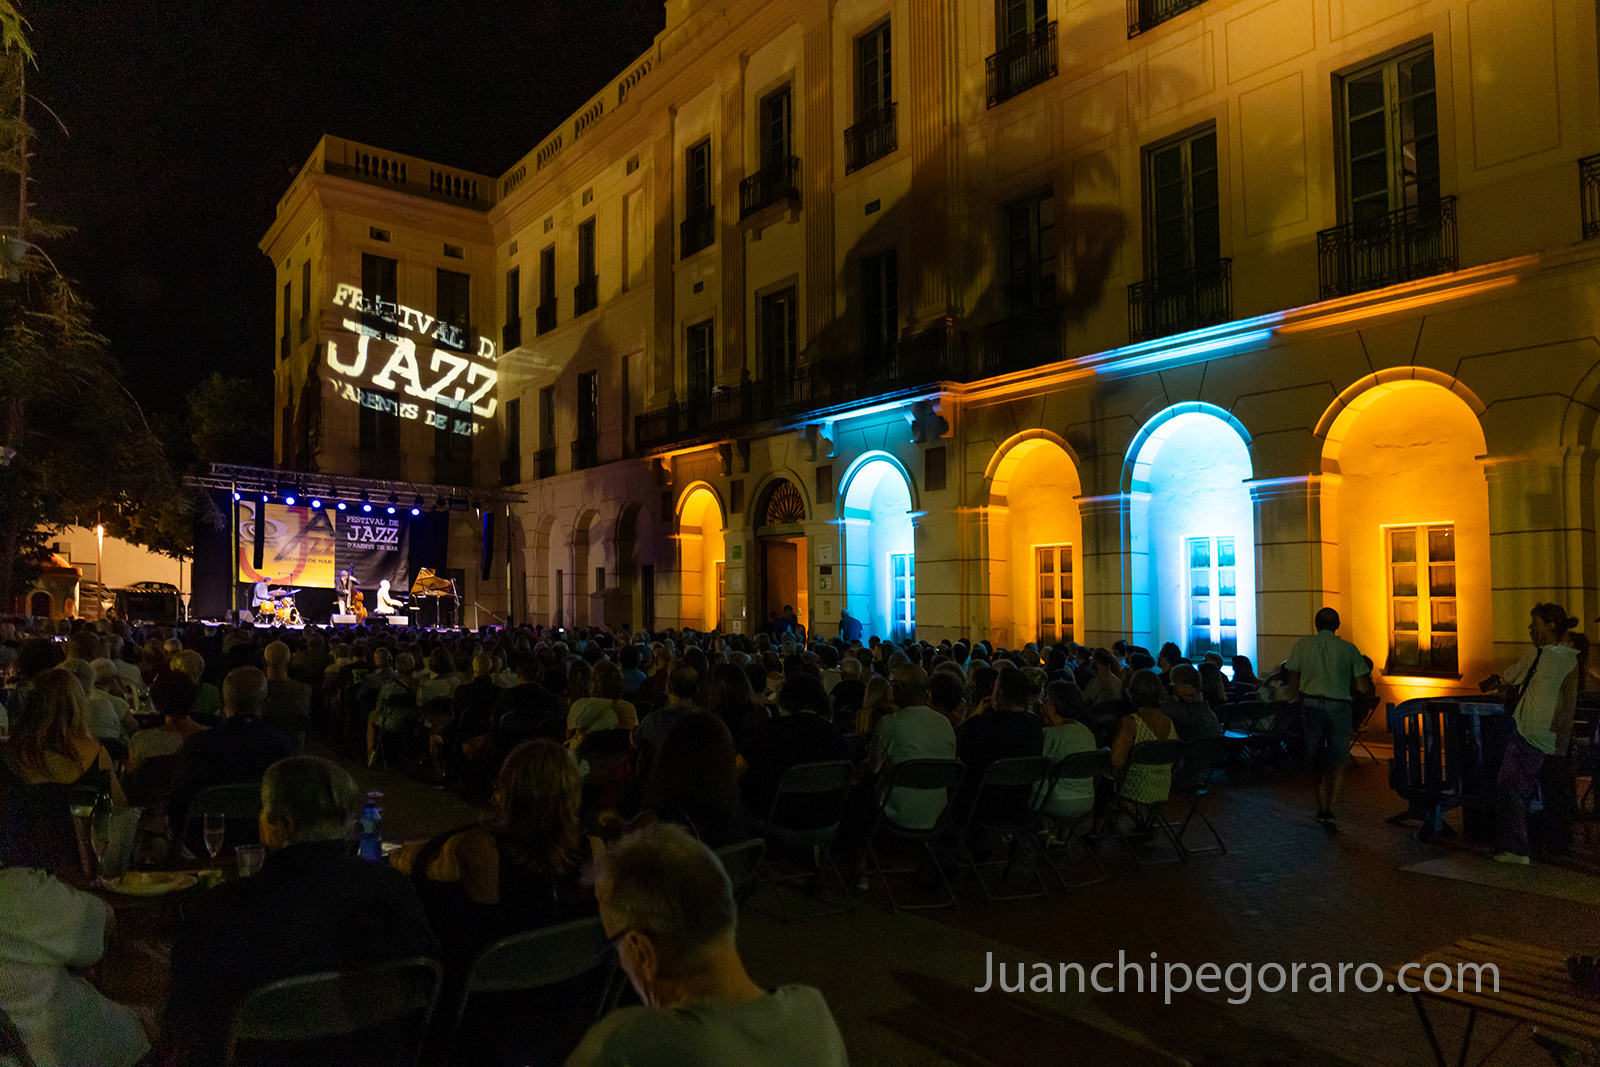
pixel 442 591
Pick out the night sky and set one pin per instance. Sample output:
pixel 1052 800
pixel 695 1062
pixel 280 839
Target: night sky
pixel 189 118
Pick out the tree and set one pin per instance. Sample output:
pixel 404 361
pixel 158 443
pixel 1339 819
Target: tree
pixel 230 421
pixel 77 447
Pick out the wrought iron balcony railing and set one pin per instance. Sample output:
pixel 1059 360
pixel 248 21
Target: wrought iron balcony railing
pixel 772 184
pixel 870 139
pixel 719 412
pixel 585 453
pixel 1022 64
pixel 1029 339
pixel 511 335
pixel 544 462
pixel 586 296
pixel 544 317
pixel 1589 189
pixel 1147 14
pixel 1413 242
pixel 1181 301
pixel 698 231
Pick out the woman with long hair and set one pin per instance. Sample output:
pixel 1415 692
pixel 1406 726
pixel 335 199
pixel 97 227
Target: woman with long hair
pixel 49 763
pixel 694 780
pixel 728 696
pixel 878 702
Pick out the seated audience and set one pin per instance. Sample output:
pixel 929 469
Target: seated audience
pixel 728 696
pixel 49 933
pixel 1191 716
pixel 287 699
pixel 603 708
pixel 668 907
pixel 104 723
pixel 946 695
pixel 876 702
pixel 849 693
pixel 1143 783
pixel 173 696
pixel 47 765
pixel 239 750
pixel 913 731
pixel 694 780
pixel 1008 727
pixel 1065 736
pixel 799 735
pixel 207 698
pixel 312 907
pixel 1106 685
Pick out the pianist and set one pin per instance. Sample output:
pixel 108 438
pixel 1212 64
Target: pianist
pixel 387 604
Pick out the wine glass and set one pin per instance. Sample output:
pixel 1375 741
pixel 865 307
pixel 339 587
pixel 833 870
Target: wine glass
pixel 100 839
pixel 215 824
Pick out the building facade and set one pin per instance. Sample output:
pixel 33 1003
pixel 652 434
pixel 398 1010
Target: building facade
pixel 1034 319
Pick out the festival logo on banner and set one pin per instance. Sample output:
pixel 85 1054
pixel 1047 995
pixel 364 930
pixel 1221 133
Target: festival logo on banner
pixel 298 545
pixel 374 548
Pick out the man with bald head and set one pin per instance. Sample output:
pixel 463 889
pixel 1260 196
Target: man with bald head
pixel 239 750
pixel 915 731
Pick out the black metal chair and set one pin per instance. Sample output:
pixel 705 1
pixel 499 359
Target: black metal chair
pixel 1091 765
pixel 539 959
pixel 333 1004
pixel 741 861
pixel 239 803
pixel 1201 757
pixel 1013 814
pixel 1149 816
pixel 826 783
pixel 928 774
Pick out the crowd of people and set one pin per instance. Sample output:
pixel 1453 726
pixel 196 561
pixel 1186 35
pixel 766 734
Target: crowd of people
pixel 612 767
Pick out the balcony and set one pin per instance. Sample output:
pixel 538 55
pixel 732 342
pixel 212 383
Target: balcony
pixel 715 415
pixel 1413 242
pixel 1021 65
pixel 585 453
pixel 544 318
pixel 586 296
pixel 511 335
pixel 1181 301
pixel 544 462
pixel 1029 339
pixel 1145 15
pixel 870 139
pixel 698 231
pixel 511 470
pixel 775 183
pixel 1589 188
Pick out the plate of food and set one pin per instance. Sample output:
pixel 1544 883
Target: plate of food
pixel 150 883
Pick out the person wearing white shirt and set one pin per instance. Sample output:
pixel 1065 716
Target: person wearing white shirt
pixel 915 731
pixel 386 601
pixel 45 929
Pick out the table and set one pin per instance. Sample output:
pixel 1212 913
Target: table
pixel 1535 988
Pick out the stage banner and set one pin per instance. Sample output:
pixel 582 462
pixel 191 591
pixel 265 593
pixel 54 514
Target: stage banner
pixel 372 548
pixel 298 545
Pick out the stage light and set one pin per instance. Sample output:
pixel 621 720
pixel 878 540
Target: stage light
pixel 440 504
pixel 289 500
pixel 365 506
pixel 236 495
pixel 316 504
pixel 263 498
pixel 341 505
pixel 391 509
pixel 416 511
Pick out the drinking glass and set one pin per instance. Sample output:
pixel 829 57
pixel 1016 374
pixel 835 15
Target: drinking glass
pixel 100 841
pixel 250 858
pixel 215 824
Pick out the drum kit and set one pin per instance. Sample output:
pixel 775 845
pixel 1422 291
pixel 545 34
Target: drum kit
pixel 281 610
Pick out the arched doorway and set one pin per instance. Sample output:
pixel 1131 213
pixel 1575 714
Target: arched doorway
pixel 785 572
pixel 39 604
pixel 1193 521
pixel 1410 514
pixel 1036 542
pixel 701 556
pixel 880 550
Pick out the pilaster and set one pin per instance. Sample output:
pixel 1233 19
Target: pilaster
pixel 821 301
pixel 1297 568
pixel 730 238
pixel 1116 569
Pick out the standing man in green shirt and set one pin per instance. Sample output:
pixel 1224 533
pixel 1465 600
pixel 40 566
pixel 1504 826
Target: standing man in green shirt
pixel 1322 669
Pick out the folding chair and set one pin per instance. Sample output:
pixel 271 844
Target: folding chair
pixel 1360 722
pixel 1090 765
pixel 1149 815
pixel 239 803
pixel 827 782
pixel 740 861
pixel 1012 815
pixel 1201 756
pixel 929 774
pixel 340 1003
pixel 538 959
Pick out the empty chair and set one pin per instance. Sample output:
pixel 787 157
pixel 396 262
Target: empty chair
pixel 741 861
pixel 383 1011
pixel 821 787
pixel 931 775
pixel 238 802
pixel 1006 805
pixel 1082 765
pixel 572 955
pixel 1201 757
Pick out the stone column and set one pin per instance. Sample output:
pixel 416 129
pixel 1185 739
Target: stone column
pixel 816 180
pixel 1297 567
pixel 1116 569
pixel 1541 540
pixel 730 238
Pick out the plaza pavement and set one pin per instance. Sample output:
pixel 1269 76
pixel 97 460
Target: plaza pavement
pixel 901 985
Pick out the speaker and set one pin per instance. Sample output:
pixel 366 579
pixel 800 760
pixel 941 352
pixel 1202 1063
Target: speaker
pixel 343 620
pixel 259 540
pixel 488 543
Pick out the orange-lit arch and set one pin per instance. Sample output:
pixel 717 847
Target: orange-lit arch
pixel 702 552
pixel 1012 451
pixel 1334 426
pixel 1032 514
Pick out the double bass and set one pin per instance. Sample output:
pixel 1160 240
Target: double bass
pixel 358 607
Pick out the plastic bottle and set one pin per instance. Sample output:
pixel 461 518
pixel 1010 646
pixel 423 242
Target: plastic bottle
pixel 371 827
